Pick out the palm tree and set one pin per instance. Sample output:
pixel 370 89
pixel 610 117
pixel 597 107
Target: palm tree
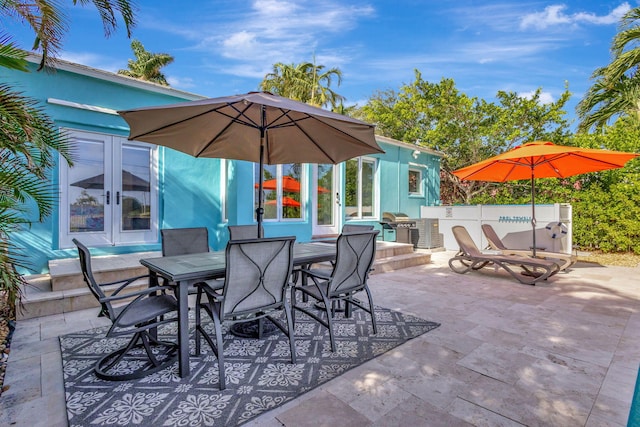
pixel 615 92
pixel 305 82
pixel 49 22
pixel 147 65
pixel 29 139
pixel 608 99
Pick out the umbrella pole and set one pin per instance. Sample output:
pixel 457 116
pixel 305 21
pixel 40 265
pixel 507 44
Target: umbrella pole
pixel 260 208
pixel 533 210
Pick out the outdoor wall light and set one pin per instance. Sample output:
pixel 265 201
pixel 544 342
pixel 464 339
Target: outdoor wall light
pixel 416 153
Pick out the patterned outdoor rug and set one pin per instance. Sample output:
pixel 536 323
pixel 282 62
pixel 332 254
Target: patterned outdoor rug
pixel 259 374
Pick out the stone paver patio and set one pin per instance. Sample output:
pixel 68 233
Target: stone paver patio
pixel 563 353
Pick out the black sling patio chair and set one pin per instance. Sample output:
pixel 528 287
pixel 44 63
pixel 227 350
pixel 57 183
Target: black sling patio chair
pixel 141 313
pixel 349 228
pixel 354 259
pixel 469 258
pixel 255 285
pixel 185 241
pixel 240 232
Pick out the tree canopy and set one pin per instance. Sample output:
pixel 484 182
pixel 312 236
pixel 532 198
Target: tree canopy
pixel 616 88
pixel 466 129
pixel 29 139
pixel 147 65
pixel 306 82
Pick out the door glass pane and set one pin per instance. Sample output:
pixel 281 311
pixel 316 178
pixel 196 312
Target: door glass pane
pixel 324 206
pixel 351 194
pixel 270 190
pixel 291 191
pixel 367 188
pixel 86 188
pixel 136 188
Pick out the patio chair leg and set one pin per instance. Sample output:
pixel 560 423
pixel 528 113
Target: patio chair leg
pixel 373 310
pixel 220 352
pixel 292 341
pixel 198 322
pixel 329 310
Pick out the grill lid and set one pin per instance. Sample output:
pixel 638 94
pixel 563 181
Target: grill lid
pixel 394 217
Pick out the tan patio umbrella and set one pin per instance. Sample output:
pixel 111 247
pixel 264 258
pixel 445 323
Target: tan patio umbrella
pixel 258 127
pixel 542 159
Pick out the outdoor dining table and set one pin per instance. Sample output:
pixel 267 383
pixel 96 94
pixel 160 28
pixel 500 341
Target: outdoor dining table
pixel 186 270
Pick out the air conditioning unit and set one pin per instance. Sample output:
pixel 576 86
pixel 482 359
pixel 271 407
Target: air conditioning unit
pixel 429 232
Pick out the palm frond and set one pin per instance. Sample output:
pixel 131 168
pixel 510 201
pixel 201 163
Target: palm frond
pixel 11 56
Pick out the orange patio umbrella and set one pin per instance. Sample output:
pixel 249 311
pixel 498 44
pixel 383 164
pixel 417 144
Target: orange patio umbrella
pixel 286 201
pixel 289 184
pixel 542 159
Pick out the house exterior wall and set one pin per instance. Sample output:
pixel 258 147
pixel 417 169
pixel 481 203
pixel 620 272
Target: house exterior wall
pixel 394 183
pixel 191 191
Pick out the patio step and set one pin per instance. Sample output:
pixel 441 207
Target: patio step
pixel 66 274
pixel 397 262
pixel 63 289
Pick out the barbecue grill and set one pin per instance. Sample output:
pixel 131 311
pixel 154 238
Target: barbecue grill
pixel 405 228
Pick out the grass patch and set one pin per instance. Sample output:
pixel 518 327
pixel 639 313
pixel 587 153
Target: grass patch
pixel 617 259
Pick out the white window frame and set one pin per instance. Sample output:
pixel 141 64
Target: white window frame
pixel 224 189
pixel 376 189
pixel 279 193
pixel 420 191
pixel 112 234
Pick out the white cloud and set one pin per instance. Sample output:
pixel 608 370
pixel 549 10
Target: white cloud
pixel 545 97
pixel 94 60
pixel 611 18
pixel 282 31
pixel 555 15
pixel 185 83
pixel 241 42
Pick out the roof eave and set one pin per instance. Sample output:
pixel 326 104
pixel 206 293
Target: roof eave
pixel 61 64
pixel 406 145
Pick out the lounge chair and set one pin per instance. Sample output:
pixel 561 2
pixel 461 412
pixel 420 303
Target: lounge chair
pixel 470 258
pixel 564 260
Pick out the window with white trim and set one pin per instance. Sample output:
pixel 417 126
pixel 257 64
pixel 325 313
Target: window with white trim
pixel 415 182
pixel 283 191
pixel 361 188
pixel 224 188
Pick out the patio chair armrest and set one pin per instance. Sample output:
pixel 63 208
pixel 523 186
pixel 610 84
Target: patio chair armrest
pixel 210 291
pixel 326 275
pixel 141 292
pixel 125 283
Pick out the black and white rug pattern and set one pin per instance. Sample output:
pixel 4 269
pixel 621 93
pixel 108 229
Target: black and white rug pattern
pixel 259 373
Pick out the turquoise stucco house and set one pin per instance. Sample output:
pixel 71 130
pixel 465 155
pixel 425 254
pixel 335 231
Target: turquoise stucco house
pixel 119 194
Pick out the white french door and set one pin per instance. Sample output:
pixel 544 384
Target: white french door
pixel 109 196
pixel 326 200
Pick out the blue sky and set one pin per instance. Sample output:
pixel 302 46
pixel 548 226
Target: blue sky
pixel 226 47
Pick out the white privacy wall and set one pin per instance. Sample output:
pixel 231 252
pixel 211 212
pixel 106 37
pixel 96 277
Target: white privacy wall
pixel 511 222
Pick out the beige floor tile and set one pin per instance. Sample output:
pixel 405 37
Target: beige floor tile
pixel 563 353
pixel 539 408
pixel 323 410
pixel 418 413
pixel 498 362
pixel 479 416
